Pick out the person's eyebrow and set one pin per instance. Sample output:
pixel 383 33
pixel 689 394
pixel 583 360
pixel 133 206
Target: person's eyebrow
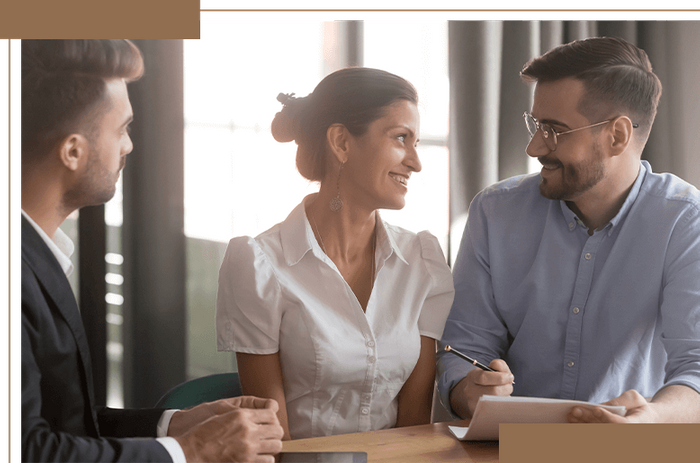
pixel 128 121
pixel 403 127
pixel 554 122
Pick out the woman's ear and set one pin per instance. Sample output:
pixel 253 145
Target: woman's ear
pixel 339 138
pixel 621 135
pixel 73 151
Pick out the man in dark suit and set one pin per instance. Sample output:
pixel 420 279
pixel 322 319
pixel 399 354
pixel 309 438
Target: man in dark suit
pixel 75 118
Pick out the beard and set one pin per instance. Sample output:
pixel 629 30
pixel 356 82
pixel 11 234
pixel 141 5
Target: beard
pixel 574 179
pixel 96 186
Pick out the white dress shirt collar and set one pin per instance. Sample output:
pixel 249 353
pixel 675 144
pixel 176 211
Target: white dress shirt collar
pixel 61 246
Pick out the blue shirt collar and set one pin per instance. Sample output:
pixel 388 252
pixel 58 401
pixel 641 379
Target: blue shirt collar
pixel 572 220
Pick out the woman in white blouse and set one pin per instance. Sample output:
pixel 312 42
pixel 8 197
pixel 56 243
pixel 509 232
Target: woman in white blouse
pixel 333 312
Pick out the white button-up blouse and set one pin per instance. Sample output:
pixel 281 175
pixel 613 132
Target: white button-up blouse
pixel 343 368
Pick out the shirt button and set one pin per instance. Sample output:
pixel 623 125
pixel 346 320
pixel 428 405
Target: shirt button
pixel 571 363
pixel 365 411
pixel 576 310
pixel 572 225
pixel 371 359
pixel 370 343
pixel 588 256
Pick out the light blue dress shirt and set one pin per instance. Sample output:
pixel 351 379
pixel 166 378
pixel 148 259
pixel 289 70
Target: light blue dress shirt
pixel 577 316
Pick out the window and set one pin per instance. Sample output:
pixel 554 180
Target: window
pixel 417 51
pixel 239 181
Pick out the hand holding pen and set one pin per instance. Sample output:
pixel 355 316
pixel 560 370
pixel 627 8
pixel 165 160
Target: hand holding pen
pixel 474 362
pixel 492 379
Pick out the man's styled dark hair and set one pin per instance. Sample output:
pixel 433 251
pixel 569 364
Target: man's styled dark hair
pixel 63 87
pixel 616 74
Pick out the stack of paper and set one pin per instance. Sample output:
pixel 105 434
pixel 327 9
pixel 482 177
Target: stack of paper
pixel 492 410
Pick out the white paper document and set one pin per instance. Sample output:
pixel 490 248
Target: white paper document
pixel 492 410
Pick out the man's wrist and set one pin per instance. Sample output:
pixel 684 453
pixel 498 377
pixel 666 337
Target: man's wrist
pixel 164 423
pixel 173 448
pixel 458 400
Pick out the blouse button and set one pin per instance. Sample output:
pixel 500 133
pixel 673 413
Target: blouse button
pixel 365 411
pixel 370 343
pixel 371 359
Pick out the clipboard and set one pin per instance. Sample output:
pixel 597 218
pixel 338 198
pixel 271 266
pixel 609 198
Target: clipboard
pixel 492 410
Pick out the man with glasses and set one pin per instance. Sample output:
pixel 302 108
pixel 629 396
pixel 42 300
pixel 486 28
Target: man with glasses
pixel 582 282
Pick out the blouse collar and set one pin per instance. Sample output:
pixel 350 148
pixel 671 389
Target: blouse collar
pixel 298 238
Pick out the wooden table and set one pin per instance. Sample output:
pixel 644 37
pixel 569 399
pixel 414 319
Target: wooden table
pixel 414 444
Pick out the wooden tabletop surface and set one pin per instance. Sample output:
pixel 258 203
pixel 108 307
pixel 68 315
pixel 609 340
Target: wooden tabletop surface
pixel 414 444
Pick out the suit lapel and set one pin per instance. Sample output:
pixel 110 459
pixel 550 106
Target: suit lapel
pixel 52 278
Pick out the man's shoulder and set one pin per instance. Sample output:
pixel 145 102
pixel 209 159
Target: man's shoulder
pixel 671 189
pixel 519 194
pixel 671 194
pixel 520 184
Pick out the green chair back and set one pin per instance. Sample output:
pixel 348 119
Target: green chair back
pixel 200 390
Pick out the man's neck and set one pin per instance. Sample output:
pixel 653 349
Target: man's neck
pixel 597 208
pixel 43 203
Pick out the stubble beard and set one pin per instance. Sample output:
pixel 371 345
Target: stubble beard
pixel 97 186
pixel 575 179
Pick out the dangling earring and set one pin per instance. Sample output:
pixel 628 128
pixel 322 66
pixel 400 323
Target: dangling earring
pixel 336 203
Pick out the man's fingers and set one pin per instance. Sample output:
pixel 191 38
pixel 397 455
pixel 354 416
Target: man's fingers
pixel 242 434
pixel 265 459
pixel 593 415
pixel 493 378
pixel 256 403
pixel 270 404
pixel 270 446
pixel 499 365
pixel 264 416
pixel 270 431
pixel 630 399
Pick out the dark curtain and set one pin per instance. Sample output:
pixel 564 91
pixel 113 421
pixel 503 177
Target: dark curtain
pixel 153 232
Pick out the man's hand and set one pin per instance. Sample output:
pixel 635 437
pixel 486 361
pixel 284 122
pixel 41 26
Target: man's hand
pixel 638 411
pixel 671 404
pixel 184 420
pixel 478 382
pixel 242 429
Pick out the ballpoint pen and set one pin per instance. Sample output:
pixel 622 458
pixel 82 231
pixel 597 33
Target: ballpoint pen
pixel 474 362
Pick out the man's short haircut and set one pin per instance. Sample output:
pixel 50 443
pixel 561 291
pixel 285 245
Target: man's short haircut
pixel 617 76
pixel 63 88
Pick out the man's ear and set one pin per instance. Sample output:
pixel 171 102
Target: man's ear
pixel 73 151
pixel 339 139
pixel 621 136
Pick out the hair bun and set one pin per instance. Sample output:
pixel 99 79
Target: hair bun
pixel 286 122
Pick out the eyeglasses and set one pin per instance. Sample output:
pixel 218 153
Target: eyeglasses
pixel 550 135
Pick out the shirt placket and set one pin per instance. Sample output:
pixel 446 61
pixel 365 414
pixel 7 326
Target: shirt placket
pixel 369 384
pixel 576 310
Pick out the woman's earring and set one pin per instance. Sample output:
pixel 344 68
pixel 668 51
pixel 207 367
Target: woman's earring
pixel 336 203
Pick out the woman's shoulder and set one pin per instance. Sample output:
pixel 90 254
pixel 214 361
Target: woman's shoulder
pixel 422 245
pixel 266 241
pixel 246 251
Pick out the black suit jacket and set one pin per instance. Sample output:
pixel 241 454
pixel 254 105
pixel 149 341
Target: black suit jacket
pixel 59 419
